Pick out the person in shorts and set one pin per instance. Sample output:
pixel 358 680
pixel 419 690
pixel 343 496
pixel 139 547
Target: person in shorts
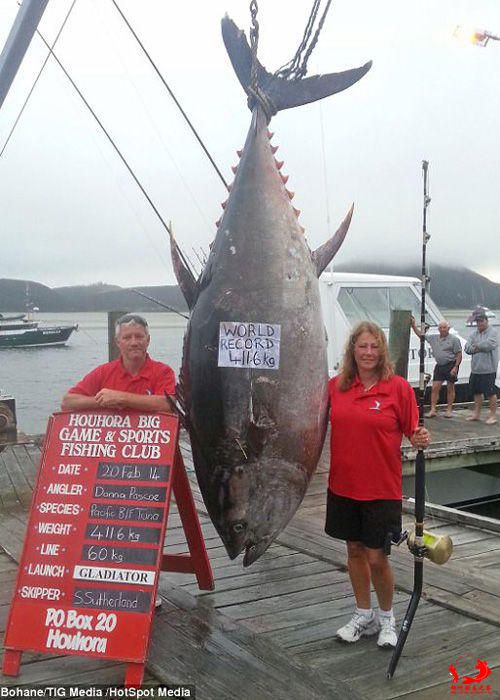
pixel 447 352
pixel 371 409
pixel 482 345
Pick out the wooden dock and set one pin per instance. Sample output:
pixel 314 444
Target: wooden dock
pixel 457 442
pixel 268 631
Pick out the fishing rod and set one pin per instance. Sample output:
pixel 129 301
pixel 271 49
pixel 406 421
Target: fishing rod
pixel 160 303
pixel 418 548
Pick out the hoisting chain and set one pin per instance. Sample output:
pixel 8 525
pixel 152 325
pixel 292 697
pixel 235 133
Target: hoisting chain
pixel 255 93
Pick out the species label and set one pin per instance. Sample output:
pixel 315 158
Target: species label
pixel 93 550
pixel 249 345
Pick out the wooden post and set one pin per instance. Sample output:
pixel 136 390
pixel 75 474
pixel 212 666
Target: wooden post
pixel 113 316
pixel 399 340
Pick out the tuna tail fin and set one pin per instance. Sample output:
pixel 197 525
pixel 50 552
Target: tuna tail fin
pixel 280 92
pixel 325 253
pixel 183 273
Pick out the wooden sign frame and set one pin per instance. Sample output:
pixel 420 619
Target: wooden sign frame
pixel 93 550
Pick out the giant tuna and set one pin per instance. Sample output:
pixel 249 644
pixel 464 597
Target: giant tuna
pixel 254 370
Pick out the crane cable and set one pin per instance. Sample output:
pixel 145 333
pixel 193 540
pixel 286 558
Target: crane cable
pixel 172 95
pixel 36 81
pixel 107 134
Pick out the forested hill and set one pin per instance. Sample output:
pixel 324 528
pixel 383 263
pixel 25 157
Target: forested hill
pixel 458 288
pixel 95 297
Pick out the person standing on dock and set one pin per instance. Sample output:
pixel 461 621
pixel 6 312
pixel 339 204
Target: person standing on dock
pixel 133 381
pixel 371 409
pixel 447 352
pixel 483 346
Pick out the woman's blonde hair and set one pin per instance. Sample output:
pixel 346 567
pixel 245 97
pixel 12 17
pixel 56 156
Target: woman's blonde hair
pixel 349 368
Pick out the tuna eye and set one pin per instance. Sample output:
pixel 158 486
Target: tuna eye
pixel 239 527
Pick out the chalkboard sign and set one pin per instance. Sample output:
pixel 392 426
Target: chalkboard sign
pixel 91 559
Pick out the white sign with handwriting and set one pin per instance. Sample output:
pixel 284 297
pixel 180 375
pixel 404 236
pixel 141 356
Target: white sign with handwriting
pixel 253 345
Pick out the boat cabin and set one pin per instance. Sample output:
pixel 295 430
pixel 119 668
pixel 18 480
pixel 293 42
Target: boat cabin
pixel 348 298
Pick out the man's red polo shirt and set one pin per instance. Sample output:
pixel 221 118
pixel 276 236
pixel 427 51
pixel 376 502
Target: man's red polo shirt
pixel 155 378
pixel 367 429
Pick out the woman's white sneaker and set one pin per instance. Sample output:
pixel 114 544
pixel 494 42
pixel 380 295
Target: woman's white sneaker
pixel 387 637
pixel 357 627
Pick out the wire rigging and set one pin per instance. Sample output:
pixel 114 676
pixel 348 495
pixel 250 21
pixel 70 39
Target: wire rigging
pixel 107 134
pixel 296 68
pixel 172 95
pixel 11 132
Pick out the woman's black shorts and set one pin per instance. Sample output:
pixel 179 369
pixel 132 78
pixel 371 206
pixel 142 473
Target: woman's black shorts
pixel 483 384
pixel 369 522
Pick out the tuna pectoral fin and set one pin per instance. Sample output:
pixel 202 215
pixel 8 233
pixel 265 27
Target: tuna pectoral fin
pixel 326 252
pixel 185 277
pixel 283 93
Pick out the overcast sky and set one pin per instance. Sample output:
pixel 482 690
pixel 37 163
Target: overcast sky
pixel 71 214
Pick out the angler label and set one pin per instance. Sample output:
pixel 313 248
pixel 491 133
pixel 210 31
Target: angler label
pixel 92 555
pixel 245 344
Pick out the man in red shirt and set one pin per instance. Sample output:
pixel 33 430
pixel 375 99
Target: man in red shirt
pixel 133 381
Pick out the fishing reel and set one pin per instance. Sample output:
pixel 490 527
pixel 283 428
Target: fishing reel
pixel 436 548
pixel 7 419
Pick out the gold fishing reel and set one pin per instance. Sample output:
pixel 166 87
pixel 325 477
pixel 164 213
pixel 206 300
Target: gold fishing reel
pixel 7 418
pixel 437 548
pixel 7 421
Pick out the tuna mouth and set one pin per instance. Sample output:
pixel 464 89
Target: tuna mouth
pixel 255 503
pixel 254 551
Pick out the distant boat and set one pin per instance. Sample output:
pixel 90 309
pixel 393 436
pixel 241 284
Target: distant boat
pixel 471 320
pixel 22 331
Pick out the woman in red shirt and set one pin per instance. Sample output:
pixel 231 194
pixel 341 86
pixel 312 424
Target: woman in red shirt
pixel 371 410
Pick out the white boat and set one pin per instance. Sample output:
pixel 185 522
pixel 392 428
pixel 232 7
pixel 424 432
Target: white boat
pixel 471 319
pixel 350 297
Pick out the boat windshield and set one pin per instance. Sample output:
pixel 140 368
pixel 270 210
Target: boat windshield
pixel 375 304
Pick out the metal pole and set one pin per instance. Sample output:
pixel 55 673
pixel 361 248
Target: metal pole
pixel 418 549
pixel 27 19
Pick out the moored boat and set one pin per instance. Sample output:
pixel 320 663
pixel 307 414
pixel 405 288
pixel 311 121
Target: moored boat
pixel 22 331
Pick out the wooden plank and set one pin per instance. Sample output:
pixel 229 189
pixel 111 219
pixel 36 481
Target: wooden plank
pixel 274 605
pixel 325 627
pixel 192 643
pixel 487 544
pixel 8 494
pixel 439 642
pixel 246 579
pixel 21 486
pixel 268 590
pixel 26 463
pixel 221 569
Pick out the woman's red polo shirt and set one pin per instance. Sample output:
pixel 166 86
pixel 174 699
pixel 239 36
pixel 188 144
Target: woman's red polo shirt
pixel 366 432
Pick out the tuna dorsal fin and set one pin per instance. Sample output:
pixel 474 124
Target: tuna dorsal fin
pixel 326 252
pixel 183 273
pixel 283 93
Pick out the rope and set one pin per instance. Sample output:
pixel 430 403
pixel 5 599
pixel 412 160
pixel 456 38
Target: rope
pixel 197 136
pixel 296 68
pixel 9 136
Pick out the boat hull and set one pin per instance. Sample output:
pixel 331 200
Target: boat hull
pixel 36 337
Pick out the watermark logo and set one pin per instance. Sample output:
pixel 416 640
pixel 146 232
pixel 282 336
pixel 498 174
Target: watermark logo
pixel 469 683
